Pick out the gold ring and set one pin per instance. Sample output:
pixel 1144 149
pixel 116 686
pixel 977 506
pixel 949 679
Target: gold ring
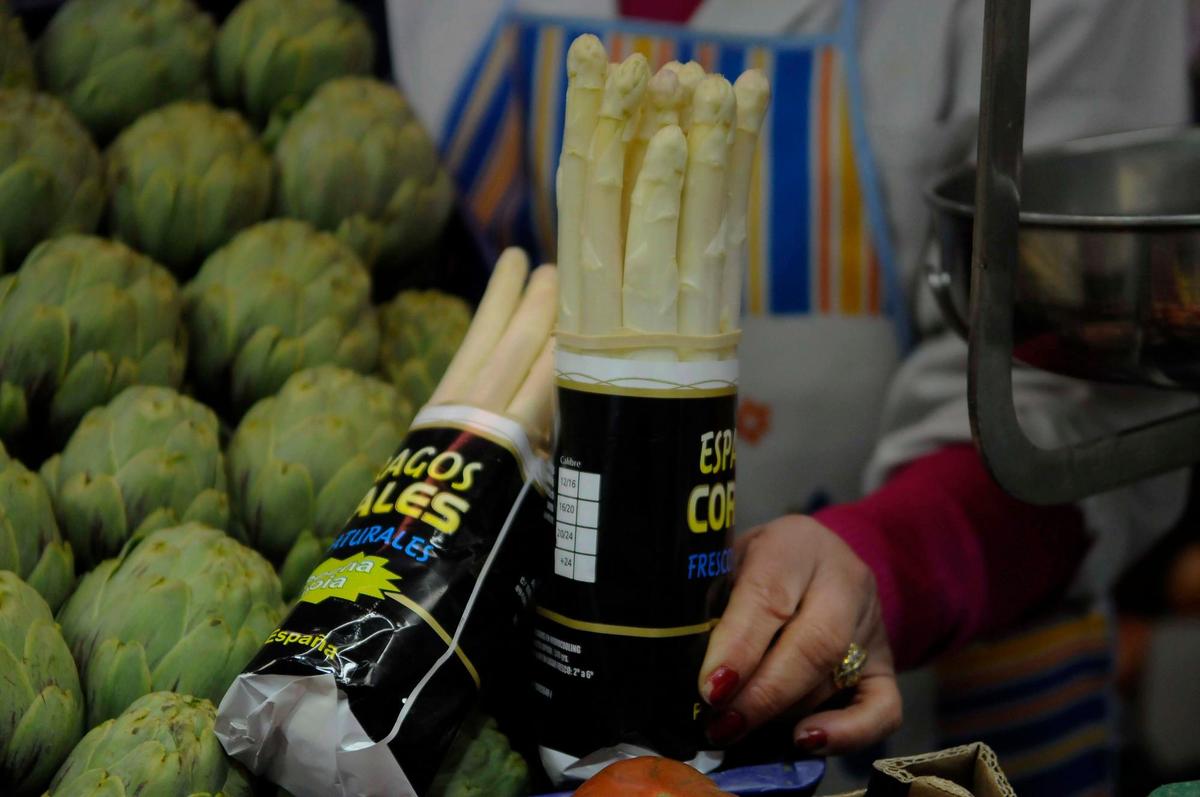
pixel 849 670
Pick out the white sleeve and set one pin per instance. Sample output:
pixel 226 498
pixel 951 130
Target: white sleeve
pixel 1096 66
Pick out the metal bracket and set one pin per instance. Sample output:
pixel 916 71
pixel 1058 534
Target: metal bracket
pixel 1031 473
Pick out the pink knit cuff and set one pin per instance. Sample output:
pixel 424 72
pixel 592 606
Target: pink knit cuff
pixel 953 555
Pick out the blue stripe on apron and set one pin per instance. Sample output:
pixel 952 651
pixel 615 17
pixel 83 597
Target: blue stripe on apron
pixel 1057 725
pixel 1092 766
pixel 1021 689
pixel 481 150
pixel 790 292
pixel 732 61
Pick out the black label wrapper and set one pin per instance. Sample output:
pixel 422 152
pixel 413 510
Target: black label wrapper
pixel 644 510
pixel 423 595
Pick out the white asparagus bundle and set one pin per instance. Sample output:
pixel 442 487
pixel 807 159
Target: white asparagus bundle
pixel 497 382
pixel 752 93
pixel 601 249
pixel 505 364
pixel 652 248
pixel 702 212
pixel 491 319
pixel 660 107
pixel 651 281
pixel 690 75
pixel 587 69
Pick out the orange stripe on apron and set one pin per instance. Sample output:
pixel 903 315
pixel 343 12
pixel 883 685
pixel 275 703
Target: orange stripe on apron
pixel 755 257
pixel 547 69
pixel 616 48
pixel 503 161
pixel 824 210
pixel 666 52
pixel 852 226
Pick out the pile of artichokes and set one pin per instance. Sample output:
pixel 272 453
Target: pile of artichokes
pixel 355 161
pixel 201 368
pixel 16 56
pixel 53 183
pixel 279 298
pixel 41 716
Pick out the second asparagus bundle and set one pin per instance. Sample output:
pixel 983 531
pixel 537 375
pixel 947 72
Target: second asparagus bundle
pixel 653 189
pixel 362 687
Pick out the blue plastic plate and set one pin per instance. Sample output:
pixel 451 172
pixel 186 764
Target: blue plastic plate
pixel 794 779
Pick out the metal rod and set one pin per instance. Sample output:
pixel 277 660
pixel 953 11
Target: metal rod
pixel 1033 474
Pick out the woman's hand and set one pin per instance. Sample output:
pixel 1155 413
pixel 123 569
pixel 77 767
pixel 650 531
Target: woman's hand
pixel 800 598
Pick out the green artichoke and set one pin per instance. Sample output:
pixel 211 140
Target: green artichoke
pixel 41 708
pixel 16 57
pixel 30 544
pixel 184 180
pixel 271 55
pixel 150 458
pixel 278 298
pixel 84 319
pixel 301 461
pixel 183 608
pixel 51 177
pixel 113 60
pixel 421 332
pixel 163 744
pixel 354 160
pixel 479 762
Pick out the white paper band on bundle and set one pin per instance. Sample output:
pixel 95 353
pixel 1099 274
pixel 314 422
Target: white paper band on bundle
pixel 689 379
pixel 501 430
pixel 629 341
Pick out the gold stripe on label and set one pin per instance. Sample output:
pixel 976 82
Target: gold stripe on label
pixel 646 392
pixel 628 630
pixel 419 611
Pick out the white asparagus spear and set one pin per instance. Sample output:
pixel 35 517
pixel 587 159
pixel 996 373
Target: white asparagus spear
pixel 635 115
pixel 587 67
pixel 701 235
pixel 651 282
pixel 497 381
pixel 533 406
pixel 491 319
pixel 752 92
pixel 601 250
pixel 690 75
pixel 660 107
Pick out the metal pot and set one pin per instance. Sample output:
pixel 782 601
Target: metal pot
pixel 1108 282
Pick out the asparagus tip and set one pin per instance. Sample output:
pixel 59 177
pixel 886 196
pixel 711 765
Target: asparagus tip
pixel 664 90
pixel 713 101
pixel 689 74
pixel 625 87
pixel 753 93
pixel 513 257
pixel 587 62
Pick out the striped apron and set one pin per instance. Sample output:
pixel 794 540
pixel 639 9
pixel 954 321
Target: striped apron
pixel 823 318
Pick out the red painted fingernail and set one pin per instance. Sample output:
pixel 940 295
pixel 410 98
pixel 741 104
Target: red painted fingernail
pixel 726 728
pixel 812 740
pixel 721 685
